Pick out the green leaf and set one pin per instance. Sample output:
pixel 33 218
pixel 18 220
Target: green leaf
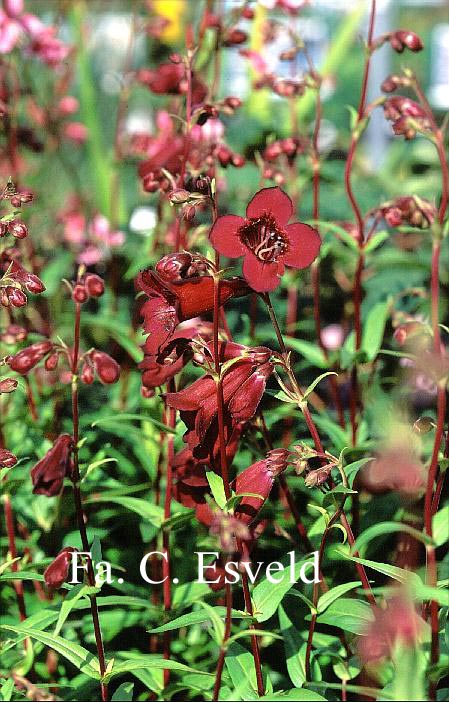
pixel 400 574
pixel 143 508
pixel 217 488
pixel 311 352
pixel 267 596
pixel 295 651
pixel 124 693
pixel 73 652
pixel 388 528
pixel 440 526
pixel 240 665
pixel 376 241
pixel 334 594
pixel 338 492
pixel 347 614
pixel 141 417
pixel 68 604
pixel 298 694
pixel 313 385
pixel 152 662
pixel 373 330
pixel 197 617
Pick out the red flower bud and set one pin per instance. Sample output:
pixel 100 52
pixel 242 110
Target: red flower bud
pixel 233 102
pixel 94 284
pixel 107 369
pixel 56 573
pixel 51 362
pixel 7 459
pixel 15 297
pixel 87 374
pixel 402 39
pixel 18 229
pixel 26 359
pixel 196 296
pixel 234 37
pixel 33 283
pixel 8 385
pixel 48 474
pixel 259 479
pixel 79 293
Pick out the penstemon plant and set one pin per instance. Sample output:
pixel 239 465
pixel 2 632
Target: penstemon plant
pixel 224 431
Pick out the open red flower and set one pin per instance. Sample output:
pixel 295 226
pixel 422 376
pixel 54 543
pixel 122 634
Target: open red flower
pixel 265 240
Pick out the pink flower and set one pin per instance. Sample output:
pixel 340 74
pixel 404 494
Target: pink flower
pixel 76 131
pixel 332 336
pixel 10 32
pixel 265 240
pixel 399 623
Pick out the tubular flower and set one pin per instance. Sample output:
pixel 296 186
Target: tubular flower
pixel 265 240
pixel 258 479
pixel 48 474
pixel 178 290
pixel 243 387
pixel 57 572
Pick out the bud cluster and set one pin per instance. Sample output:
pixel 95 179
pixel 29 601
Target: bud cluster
pixel 407 116
pixel 88 285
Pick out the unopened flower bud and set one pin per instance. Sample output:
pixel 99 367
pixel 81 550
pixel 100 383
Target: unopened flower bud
pixel 423 425
pixel 318 477
pixel 7 459
pixel 94 284
pixel 234 37
pixel 8 385
pixel 51 362
pixel 25 360
pixel 33 284
pixel 107 369
pixel 233 102
pixel 18 229
pixel 57 572
pixel 87 374
pixel 179 197
pixel 16 297
pixel 79 293
pixel 402 39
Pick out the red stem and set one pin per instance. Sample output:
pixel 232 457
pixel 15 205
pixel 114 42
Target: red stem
pixel 166 587
pixel 78 500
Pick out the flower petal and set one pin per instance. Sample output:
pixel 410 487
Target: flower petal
pixel 262 277
pixel 304 245
pixel 224 236
pixel 271 200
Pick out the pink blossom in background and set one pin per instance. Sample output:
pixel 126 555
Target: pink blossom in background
pixel 332 336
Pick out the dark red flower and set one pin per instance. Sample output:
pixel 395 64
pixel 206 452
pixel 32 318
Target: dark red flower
pixel 57 572
pixel 265 240
pixel 48 474
pixel 259 479
pixel 25 360
pixel 171 79
pixel 178 290
pixel 243 387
